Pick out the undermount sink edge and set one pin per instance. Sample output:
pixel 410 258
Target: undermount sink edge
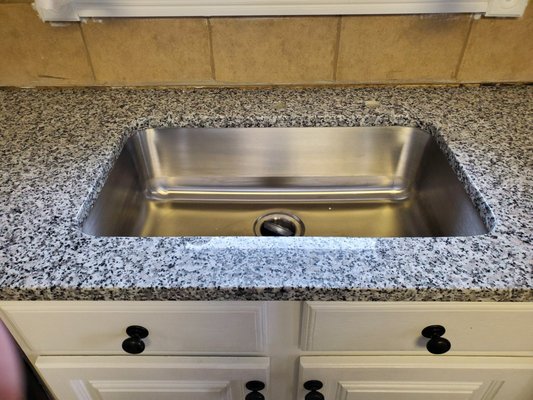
pixel 338 182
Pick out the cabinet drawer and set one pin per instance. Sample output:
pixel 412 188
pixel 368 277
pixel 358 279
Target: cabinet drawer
pixel 56 328
pixel 496 328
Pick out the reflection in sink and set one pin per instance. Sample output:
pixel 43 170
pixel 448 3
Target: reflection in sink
pixel 365 182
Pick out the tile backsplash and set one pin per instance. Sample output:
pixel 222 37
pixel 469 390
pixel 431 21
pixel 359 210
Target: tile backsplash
pixel 240 51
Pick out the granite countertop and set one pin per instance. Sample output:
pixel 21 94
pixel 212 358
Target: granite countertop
pixel 57 146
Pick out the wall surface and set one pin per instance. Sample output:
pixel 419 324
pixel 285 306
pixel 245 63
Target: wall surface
pixel 408 49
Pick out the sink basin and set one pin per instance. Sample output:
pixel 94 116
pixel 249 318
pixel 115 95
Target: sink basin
pixel 363 181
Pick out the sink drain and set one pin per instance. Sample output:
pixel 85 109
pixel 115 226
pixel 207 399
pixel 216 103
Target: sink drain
pixel 279 224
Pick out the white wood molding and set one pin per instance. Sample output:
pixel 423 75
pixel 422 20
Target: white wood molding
pixel 347 390
pixel 506 8
pixel 74 10
pixel 218 389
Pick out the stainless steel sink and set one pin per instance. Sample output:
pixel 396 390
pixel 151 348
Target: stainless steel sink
pixel 370 182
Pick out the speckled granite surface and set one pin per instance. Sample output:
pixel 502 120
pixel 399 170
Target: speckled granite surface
pixel 56 147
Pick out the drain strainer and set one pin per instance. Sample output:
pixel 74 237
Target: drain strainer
pixel 279 224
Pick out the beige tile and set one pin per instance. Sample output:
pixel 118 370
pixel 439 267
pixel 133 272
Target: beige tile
pixel 500 50
pixel 34 53
pixel 408 48
pixel 274 50
pixel 149 51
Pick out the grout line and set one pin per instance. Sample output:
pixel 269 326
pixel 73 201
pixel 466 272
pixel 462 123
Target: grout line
pixel 211 52
pixel 207 85
pixel 337 48
pixel 463 51
pixel 87 50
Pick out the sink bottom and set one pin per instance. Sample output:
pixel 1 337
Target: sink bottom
pixel 405 218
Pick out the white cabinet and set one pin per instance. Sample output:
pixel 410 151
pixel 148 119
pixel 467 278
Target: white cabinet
pixel 209 350
pixel 375 351
pixel 395 328
pixel 99 328
pixel 77 348
pixel 419 378
pixel 151 378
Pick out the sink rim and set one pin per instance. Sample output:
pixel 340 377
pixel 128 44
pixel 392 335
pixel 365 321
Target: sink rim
pixel 488 226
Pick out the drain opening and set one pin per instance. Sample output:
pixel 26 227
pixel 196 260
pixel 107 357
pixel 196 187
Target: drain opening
pixel 279 224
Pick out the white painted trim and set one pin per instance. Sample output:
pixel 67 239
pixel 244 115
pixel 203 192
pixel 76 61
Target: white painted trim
pixel 446 389
pixel 73 10
pixel 506 8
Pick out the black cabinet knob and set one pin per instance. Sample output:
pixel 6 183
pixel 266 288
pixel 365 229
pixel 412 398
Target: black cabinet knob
pixel 314 387
pixel 255 387
pixel 436 344
pixel 134 344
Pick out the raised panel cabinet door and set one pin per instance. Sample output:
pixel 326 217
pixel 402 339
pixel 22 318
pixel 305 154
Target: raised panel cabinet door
pixel 418 378
pixel 151 378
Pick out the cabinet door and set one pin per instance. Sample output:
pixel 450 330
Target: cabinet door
pixel 419 378
pixel 151 378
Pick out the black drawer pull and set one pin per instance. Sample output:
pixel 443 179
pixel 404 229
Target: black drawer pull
pixel 313 387
pixel 436 344
pixel 134 344
pixel 255 387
